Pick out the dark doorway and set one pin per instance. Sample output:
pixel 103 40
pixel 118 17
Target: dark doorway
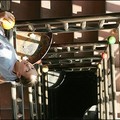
pixel 73 97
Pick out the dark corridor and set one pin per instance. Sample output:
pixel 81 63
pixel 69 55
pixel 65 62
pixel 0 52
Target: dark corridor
pixel 73 97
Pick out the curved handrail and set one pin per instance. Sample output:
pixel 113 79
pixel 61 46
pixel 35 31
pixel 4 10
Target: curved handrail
pixel 43 48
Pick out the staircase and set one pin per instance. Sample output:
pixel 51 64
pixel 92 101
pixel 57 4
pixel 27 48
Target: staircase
pixel 67 54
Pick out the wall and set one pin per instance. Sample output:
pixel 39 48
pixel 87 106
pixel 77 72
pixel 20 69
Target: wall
pixel 30 10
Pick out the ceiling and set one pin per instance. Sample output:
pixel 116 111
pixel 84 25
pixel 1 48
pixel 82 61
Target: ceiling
pixel 71 55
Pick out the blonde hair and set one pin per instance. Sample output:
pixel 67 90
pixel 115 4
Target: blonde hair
pixel 28 82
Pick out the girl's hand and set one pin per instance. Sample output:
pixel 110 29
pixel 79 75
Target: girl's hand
pixel 7 20
pixel 6 16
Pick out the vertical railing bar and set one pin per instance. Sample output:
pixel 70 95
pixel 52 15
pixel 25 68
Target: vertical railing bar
pixel 14 102
pixel 98 92
pixel 21 103
pixel 106 89
pixel 35 102
pixel 103 92
pixel 101 100
pixel 46 74
pixel 112 75
pixel 39 92
pixel 31 102
pixel 43 95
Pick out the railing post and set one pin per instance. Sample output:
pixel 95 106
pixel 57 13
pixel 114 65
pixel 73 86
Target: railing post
pixel 105 70
pixel 33 103
pixel 17 101
pixel 112 80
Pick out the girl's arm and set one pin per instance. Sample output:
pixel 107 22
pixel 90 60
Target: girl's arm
pixel 2 80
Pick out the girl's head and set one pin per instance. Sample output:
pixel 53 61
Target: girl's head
pixel 27 73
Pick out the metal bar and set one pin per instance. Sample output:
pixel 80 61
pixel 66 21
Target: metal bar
pixel 69 58
pixel 99 43
pixel 5 5
pixel 103 90
pixel 98 92
pixel 112 75
pixel 75 29
pixel 17 99
pixel 70 65
pixel 78 70
pixel 53 53
pixel 105 62
pixel 43 99
pixel 43 88
pixel 108 16
pixel 14 101
pixel 46 93
pixel 101 99
pixel 33 102
pixel 20 101
pixel 94 62
pixel 74 68
pixel 106 89
pixel 66 25
pixel 110 92
pixel 40 93
pixel 102 93
pixel 14 38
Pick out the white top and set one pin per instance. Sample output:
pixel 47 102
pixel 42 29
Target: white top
pixel 8 57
